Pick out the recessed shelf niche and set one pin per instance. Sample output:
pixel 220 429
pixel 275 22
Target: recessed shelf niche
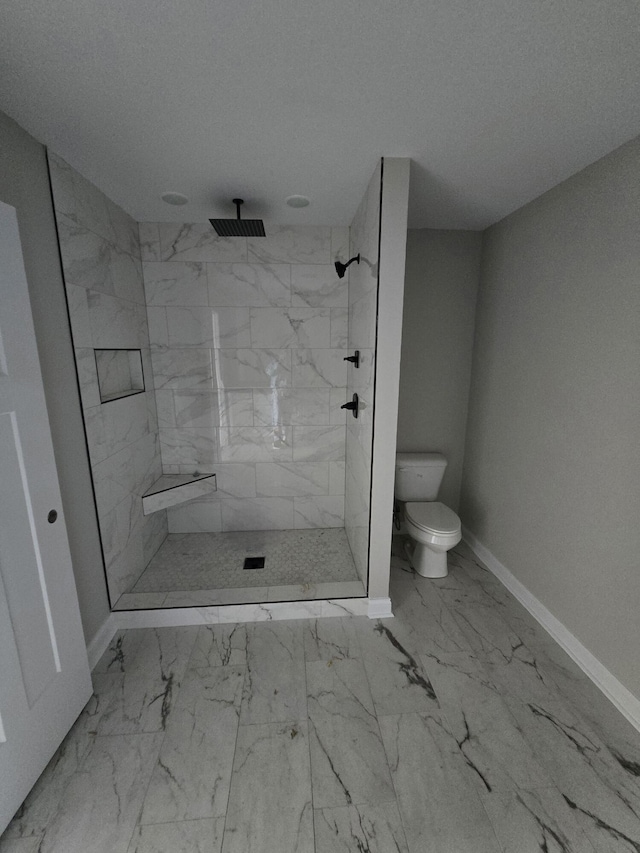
pixel 119 373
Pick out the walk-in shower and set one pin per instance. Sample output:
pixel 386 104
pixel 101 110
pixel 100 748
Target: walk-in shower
pixel 226 463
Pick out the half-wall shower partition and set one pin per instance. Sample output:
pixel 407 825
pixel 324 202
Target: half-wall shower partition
pixel 242 343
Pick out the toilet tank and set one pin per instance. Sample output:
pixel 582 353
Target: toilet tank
pixel 418 476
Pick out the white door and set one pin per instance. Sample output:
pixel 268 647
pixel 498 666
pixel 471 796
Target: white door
pixel 44 672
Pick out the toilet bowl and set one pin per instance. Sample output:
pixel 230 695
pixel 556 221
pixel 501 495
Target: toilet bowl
pixel 434 529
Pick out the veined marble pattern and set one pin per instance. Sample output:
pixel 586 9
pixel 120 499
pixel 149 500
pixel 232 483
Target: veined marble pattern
pixel 114 325
pixel 318 285
pixel 292 244
pixel 249 284
pixel 251 368
pixel 259 329
pixel 301 406
pixel 213 327
pixel 85 205
pixel 318 511
pixel 318 443
pixel 195 448
pixel 289 480
pixel 290 327
pixel 339 328
pixel 314 368
pixel 101 258
pixel 182 368
pixel 301 737
pixel 180 284
pixel 198 242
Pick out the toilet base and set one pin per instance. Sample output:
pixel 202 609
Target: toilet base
pixel 425 561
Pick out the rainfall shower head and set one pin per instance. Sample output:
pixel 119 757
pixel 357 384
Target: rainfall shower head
pixel 238 227
pixel 342 268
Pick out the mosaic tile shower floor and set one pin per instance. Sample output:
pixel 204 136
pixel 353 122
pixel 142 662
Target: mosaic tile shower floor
pixel 192 562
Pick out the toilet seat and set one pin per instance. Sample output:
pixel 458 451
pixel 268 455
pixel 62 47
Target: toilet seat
pixel 432 517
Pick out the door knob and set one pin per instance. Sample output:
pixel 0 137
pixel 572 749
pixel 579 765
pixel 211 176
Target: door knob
pixel 352 406
pixel 53 515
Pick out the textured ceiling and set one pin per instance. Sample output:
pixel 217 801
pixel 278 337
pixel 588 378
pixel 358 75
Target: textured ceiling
pixel 494 101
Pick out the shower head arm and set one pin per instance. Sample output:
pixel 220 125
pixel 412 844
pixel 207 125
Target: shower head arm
pixel 342 268
pixel 238 202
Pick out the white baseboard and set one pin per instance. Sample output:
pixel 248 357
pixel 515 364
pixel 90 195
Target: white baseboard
pixel 614 690
pixel 100 642
pixel 379 608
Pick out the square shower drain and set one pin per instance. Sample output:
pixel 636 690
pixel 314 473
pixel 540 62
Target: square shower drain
pixel 254 563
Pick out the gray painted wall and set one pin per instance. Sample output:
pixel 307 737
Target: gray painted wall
pixel 441 284
pixel 551 481
pixel 24 184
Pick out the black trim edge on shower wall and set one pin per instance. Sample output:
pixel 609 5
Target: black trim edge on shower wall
pixel 75 365
pixel 375 371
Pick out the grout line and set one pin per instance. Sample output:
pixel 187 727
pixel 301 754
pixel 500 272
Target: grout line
pixel 309 724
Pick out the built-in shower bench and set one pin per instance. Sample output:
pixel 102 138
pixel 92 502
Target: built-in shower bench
pixel 173 489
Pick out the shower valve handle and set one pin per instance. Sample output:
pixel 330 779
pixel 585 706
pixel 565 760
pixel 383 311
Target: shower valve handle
pixel 355 358
pixel 352 406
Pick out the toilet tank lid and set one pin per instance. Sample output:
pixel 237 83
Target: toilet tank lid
pixel 420 460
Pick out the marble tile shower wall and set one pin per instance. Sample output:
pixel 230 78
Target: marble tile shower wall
pixel 363 302
pixel 100 252
pixel 248 339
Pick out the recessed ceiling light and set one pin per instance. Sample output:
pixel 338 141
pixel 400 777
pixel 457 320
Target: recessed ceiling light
pixel 297 201
pixel 174 198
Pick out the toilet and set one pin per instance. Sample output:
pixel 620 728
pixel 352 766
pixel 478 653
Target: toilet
pixel 433 528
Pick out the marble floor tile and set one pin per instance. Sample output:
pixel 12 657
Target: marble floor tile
pixel 531 821
pixel 589 703
pixel 440 808
pixel 596 778
pixel 489 738
pixel 397 679
pixel 101 803
pixel 359 829
pixel 463 556
pixel 604 797
pixel 21 845
pixel 140 698
pixel 270 801
pixel 43 801
pixel 274 689
pixel 189 836
pixel 219 645
pixel 330 640
pixel 348 762
pixel 192 776
pixel 512 612
pixel 119 653
pixel 454 727
pixel 416 601
pixel 481 619
pixel 520 674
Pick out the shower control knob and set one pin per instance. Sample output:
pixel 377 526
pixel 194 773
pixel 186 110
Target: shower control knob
pixel 352 406
pixel 355 358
